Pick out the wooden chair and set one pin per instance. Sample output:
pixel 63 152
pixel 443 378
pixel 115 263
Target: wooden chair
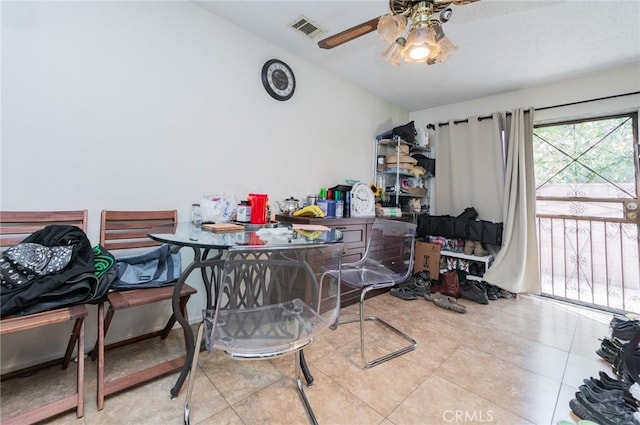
pixel 121 230
pixel 14 227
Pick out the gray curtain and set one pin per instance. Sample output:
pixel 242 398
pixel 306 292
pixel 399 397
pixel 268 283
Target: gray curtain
pixel 470 168
pixel 515 267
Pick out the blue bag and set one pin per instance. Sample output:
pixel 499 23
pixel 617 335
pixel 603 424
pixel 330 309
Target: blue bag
pixel 152 269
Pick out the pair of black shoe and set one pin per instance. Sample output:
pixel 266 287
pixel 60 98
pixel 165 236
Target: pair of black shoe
pixel 623 328
pixel 625 368
pixel 481 292
pixel 493 292
pixel 605 401
pixel 612 350
pixel 474 291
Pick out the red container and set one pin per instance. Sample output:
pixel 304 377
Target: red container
pixel 258 203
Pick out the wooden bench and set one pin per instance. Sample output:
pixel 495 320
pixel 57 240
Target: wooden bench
pixel 14 227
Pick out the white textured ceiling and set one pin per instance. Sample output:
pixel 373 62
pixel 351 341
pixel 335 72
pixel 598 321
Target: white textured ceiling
pixel 503 45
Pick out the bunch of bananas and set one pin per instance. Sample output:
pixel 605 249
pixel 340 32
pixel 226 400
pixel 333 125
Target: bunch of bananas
pixel 310 234
pixel 309 211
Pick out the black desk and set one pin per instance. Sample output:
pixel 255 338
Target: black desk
pixel 208 254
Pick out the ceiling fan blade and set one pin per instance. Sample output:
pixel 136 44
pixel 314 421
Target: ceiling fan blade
pixel 463 2
pixel 348 35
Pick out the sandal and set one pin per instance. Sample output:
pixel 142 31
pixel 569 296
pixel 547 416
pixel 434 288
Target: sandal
pixel 419 284
pixel 404 293
pixel 444 301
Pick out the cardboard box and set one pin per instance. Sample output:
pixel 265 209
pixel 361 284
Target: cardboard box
pixel 427 257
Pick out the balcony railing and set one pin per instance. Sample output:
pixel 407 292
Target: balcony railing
pixel 592 261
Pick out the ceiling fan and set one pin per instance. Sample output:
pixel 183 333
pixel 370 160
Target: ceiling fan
pixel 412 27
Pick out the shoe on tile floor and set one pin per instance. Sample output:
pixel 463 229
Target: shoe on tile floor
pixel 445 301
pixel 473 291
pixel 625 330
pixel 419 284
pixel 616 320
pixel 601 413
pixel 506 294
pixel 612 396
pixel 493 292
pixel 609 349
pixel 403 293
pixel 607 382
pixel 592 390
pixel 625 371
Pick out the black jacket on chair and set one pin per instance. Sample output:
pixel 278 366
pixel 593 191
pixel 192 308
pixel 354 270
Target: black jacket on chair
pixel 55 289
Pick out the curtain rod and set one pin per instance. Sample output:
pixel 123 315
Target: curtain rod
pixel 442 124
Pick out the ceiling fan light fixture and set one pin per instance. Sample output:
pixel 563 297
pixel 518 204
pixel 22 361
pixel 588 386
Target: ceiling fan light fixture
pixel 445 49
pixel 393 52
pixel 422 27
pixel 390 27
pixel 421 43
pixel 404 18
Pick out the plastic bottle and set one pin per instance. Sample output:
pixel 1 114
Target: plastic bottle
pixel 196 222
pixel 196 215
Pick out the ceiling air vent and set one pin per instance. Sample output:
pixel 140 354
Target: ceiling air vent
pixel 307 27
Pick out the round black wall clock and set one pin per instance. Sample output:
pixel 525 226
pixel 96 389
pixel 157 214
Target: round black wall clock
pixel 278 79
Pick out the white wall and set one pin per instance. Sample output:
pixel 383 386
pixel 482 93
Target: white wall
pixel 150 105
pixel 613 82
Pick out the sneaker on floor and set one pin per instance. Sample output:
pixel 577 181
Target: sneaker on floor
pixel 506 294
pixel 473 291
pixel 625 330
pixel 601 413
pixel 493 292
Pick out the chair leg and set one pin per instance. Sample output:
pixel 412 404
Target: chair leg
pixel 98 351
pixel 80 369
pixel 73 340
pixel 105 327
pixel 303 396
pixel 361 320
pixel 192 374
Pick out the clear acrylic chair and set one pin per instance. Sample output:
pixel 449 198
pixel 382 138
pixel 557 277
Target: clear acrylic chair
pixel 388 260
pixel 271 302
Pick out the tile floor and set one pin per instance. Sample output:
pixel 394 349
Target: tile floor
pixel 510 362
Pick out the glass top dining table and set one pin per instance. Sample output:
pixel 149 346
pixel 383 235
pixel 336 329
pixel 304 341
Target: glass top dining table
pixel 185 234
pixel 209 249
